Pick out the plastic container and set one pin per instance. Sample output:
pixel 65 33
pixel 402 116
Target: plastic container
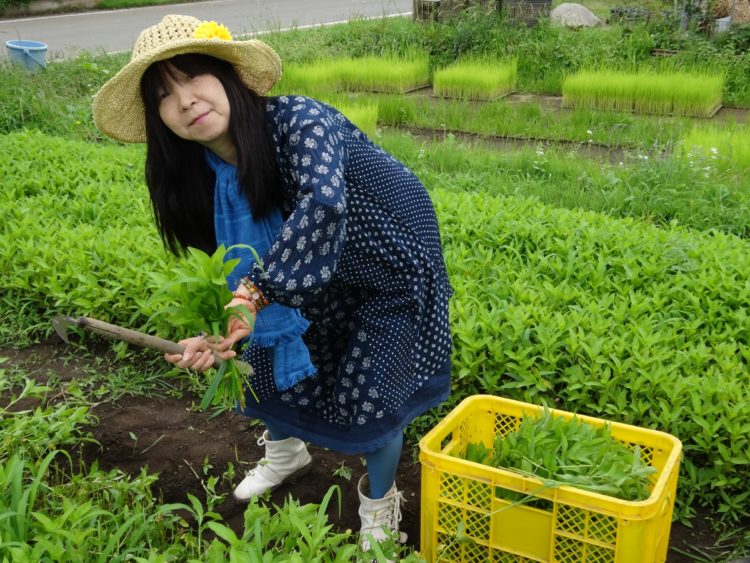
pixel 464 518
pixel 722 24
pixel 31 54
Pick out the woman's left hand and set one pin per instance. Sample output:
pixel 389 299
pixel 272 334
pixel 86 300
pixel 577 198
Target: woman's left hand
pixel 240 326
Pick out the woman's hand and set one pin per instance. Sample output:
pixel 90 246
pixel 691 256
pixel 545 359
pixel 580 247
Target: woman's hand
pixel 197 354
pixel 241 323
pixel 201 351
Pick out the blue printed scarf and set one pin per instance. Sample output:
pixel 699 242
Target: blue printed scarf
pixel 276 326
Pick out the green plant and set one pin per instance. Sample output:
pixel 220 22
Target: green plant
pixel 43 429
pixel 343 471
pixel 194 295
pixel 681 93
pixel 476 79
pixel 568 452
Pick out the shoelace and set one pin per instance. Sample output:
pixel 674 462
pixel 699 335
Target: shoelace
pixel 261 442
pixel 396 514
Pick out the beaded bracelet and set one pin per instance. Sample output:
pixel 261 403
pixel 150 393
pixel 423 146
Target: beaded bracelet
pixel 256 296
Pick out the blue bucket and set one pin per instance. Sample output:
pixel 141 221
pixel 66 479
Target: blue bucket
pixel 31 54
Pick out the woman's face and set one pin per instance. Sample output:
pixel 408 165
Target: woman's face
pixel 196 108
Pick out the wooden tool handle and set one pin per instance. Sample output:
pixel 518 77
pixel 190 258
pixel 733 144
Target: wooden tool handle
pixel 133 337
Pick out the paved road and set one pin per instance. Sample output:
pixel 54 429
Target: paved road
pixel 113 31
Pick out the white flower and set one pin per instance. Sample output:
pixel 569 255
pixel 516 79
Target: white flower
pixel 325 273
pixel 308 280
pixel 310 143
pixel 318 130
pixel 291 285
pixel 306 160
pixel 321 169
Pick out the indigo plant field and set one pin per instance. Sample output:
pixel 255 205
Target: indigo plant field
pixel 600 261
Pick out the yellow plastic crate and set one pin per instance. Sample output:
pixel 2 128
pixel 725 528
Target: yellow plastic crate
pixel 464 520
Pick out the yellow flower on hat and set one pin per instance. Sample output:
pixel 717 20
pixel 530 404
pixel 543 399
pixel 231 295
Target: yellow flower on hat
pixel 212 30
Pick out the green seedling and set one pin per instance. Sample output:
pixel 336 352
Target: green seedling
pixel 343 471
pixel 194 295
pixel 569 452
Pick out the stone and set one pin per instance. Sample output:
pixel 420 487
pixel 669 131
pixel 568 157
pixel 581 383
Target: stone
pixel 574 15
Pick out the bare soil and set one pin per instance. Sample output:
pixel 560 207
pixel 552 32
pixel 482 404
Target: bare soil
pixel 176 441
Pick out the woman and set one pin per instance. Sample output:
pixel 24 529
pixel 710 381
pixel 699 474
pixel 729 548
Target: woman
pixel 351 340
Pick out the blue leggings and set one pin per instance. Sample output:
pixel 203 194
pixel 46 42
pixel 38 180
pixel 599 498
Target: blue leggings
pixel 381 464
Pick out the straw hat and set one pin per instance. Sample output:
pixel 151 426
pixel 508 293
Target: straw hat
pixel 118 107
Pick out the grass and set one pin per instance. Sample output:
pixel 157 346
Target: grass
pixel 709 146
pixel 476 79
pixel 531 120
pixel 683 93
pixel 661 191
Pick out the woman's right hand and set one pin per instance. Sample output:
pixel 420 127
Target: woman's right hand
pixel 198 354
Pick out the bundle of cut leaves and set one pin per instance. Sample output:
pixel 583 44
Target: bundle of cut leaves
pixel 561 451
pixel 193 295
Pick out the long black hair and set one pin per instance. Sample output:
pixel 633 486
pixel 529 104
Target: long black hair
pixel 179 179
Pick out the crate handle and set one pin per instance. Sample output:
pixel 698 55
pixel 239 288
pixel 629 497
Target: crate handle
pixel 666 504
